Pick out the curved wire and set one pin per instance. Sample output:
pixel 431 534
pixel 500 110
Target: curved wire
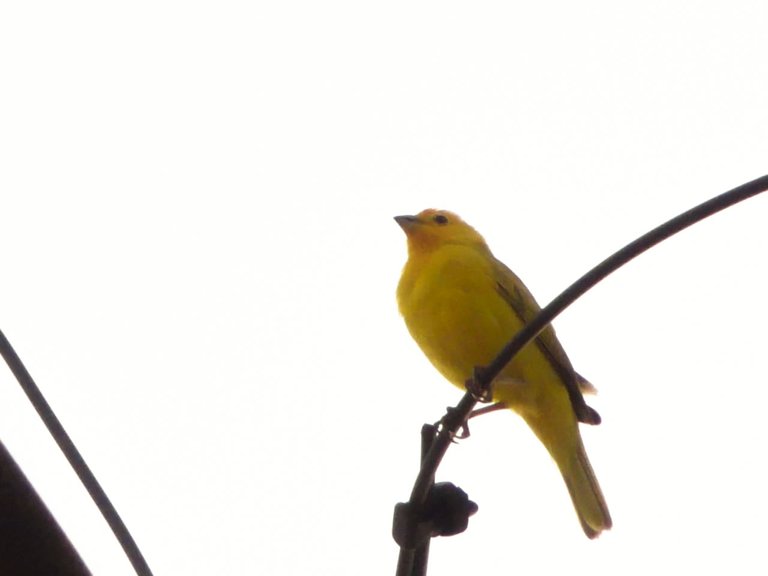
pixel 73 456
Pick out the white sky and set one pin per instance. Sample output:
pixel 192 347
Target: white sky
pixel 199 265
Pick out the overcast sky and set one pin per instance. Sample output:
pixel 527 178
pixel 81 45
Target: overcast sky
pixel 199 267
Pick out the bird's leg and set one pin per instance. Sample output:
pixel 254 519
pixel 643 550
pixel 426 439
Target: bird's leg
pixel 487 409
pixel 463 433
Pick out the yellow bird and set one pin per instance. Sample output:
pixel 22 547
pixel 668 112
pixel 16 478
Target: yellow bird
pixel 462 306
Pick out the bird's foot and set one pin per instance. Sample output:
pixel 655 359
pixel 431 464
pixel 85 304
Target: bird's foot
pixel 480 390
pixel 448 421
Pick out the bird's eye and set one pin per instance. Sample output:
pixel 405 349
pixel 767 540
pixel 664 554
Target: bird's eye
pixel 440 219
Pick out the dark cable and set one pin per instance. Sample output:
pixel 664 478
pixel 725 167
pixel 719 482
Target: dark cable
pixel 75 459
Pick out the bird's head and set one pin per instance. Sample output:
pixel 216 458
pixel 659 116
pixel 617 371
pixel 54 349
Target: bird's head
pixel 431 228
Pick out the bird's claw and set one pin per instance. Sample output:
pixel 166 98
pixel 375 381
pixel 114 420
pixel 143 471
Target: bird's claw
pixel 448 421
pixel 463 433
pixel 475 386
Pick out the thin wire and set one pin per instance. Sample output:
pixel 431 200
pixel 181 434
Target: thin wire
pixel 456 417
pixel 75 459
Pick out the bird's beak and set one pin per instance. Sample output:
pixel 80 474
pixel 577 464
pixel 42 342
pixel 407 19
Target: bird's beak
pixel 406 222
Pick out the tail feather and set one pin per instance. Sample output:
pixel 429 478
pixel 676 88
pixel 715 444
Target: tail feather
pixel 548 411
pixel 585 492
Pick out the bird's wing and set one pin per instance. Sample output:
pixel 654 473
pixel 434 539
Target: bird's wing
pixel 522 302
pixel 585 385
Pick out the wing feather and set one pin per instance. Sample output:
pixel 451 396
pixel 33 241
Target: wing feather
pixel 522 302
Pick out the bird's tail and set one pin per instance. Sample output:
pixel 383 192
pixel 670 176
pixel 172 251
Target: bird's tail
pixel 584 489
pixel 549 414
